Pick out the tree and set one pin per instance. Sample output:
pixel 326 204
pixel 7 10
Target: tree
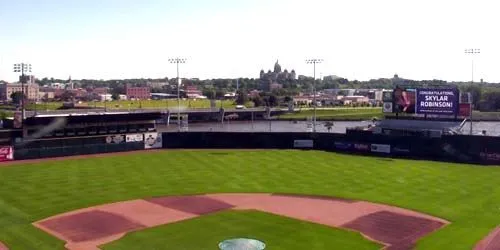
pixel 17 97
pixel 67 96
pixel 241 97
pixel 219 94
pixel 475 92
pixel 493 98
pixel 209 93
pixel 115 96
pixel 257 101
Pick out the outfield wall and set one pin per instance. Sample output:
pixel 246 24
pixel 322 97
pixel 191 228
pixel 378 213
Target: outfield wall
pixel 456 148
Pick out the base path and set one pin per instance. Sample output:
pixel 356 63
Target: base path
pixel 491 242
pixel 88 228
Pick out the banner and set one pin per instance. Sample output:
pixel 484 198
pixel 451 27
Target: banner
pixel 362 147
pixel 115 139
pixel 437 101
pixel 493 157
pixel 6 153
pixel 134 138
pixel 381 148
pixel 401 149
pixel 342 145
pixel 152 140
pixel 303 143
pixel 465 109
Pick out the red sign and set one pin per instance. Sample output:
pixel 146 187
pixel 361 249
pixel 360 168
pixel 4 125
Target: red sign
pixel 465 109
pixel 6 153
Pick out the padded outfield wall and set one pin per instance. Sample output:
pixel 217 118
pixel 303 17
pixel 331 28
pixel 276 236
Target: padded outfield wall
pixel 456 148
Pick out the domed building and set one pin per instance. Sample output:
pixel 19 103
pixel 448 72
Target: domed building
pixel 274 79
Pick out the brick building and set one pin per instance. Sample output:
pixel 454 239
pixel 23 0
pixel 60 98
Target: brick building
pixel 142 93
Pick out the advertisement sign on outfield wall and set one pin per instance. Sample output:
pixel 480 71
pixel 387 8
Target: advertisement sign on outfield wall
pixel 6 153
pixel 115 139
pixel 303 143
pixel 134 138
pixel 381 148
pixel 152 140
pixel 342 145
pixel 401 149
pixel 362 147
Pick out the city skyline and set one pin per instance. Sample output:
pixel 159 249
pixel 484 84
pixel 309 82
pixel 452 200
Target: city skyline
pixel 359 40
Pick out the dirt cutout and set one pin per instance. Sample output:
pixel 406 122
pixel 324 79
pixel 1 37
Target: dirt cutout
pixel 88 228
pixel 490 242
pixel 3 247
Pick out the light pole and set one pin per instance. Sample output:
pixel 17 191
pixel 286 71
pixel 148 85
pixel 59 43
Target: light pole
pixel 314 61
pixel 472 52
pixel 22 68
pixel 177 61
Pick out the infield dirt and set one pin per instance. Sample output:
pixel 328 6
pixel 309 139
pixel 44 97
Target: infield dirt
pixel 88 228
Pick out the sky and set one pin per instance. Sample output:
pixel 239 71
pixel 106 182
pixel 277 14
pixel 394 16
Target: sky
pixel 357 39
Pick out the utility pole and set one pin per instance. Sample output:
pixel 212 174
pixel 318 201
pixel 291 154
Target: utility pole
pixel 177 61
pixel 472 52
pixel 314 61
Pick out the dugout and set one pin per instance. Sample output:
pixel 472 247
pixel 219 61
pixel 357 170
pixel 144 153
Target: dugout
pixel 89 124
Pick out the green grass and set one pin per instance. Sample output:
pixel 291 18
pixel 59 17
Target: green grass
pixel 466 195
pixel 335 114
pixel 145 104
pixel 279 233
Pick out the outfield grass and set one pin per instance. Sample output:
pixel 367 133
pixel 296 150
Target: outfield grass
pixel 335 114
pixel 279 233
pixel 466 195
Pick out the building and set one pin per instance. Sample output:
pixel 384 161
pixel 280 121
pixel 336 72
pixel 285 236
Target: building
pixel 105 97
pixel 141 93
pixel 30 91
pixel 46 95
pixel 193 92
pixel 100 91
pixel 271 78
pixel 157 84
pixel 355 99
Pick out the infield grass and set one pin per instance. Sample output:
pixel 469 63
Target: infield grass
pixel 466 195
pixel 278 233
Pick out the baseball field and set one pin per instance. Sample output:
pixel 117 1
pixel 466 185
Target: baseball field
pixel 289 199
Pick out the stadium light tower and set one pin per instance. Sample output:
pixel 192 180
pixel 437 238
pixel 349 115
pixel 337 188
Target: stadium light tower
pixel 22 68
pixel 314 61
pixel 472 52
pixel 178 61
